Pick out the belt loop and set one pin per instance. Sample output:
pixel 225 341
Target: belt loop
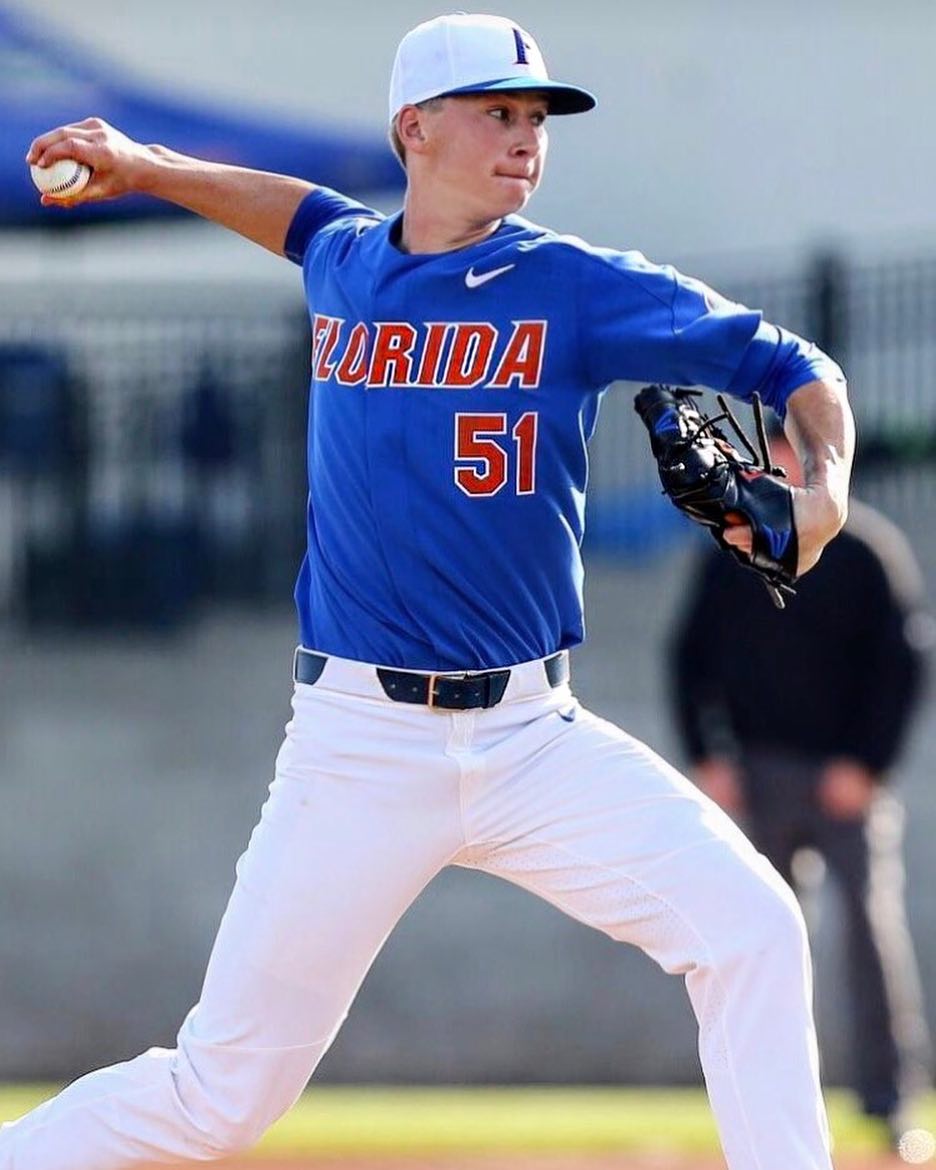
pixel 496 686
pixel 557 669
pixel 431 693
pixel 308 666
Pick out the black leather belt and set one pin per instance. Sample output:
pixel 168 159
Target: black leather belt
pixel 460 692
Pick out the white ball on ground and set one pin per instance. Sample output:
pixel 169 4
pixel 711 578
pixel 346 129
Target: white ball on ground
pixel 917 1146
pixel 62 179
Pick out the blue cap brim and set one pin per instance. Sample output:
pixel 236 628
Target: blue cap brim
pixel 562 98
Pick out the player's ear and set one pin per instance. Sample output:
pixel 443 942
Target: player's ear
pixel 411 130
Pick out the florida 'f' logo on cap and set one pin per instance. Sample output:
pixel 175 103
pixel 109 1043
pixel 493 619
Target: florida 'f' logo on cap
pixel 521 47
pixel 472 53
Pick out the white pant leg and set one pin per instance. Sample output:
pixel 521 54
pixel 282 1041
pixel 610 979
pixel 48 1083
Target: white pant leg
pixel 593 821
pixel 362 813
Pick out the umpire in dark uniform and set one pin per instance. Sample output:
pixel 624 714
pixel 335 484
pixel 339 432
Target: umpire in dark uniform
pixel 792 721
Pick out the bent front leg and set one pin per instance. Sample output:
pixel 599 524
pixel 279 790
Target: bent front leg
pixel 606 830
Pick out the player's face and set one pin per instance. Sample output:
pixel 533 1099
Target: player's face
pixel 488 150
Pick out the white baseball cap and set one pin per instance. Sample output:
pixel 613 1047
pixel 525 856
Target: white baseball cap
pixel 475 53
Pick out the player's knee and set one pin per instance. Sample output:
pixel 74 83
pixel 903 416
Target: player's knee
pixel 773 926
pixel 227 1114
pixel 228 1135
pixel 753 922
pixel 224 1128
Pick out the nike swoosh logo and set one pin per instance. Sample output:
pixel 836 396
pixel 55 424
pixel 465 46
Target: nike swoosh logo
pixel 475 280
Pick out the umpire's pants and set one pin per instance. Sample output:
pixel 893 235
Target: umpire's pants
pixel 889 1041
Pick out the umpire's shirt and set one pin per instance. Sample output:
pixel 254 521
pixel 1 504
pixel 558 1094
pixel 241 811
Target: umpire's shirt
pixel 835 674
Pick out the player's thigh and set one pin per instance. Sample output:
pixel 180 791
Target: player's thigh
pixel 612 834
pixel 357 822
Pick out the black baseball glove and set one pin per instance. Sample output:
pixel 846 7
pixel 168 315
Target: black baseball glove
pixel 713 483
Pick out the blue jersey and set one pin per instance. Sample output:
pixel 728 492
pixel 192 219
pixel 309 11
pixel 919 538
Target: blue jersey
pixel 452 398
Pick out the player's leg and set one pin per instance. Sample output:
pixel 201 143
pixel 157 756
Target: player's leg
pixel 361 814
pixel 592 820
pixel 889 1034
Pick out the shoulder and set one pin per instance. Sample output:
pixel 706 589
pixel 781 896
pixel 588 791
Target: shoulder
pixel 572 249
pixel 597 268
pixel 323 213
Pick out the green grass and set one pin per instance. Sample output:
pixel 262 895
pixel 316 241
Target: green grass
pixel 332 1120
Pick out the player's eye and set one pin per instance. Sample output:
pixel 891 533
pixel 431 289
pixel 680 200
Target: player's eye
pixel 500 112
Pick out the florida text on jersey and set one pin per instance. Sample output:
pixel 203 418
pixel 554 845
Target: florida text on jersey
pixel 453 396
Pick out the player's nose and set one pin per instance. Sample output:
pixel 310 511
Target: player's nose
pixel 524 149
pixel 528 142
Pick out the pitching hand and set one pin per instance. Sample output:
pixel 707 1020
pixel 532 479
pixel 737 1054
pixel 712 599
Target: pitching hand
pixel 118 164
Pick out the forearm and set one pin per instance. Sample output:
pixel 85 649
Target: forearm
pixel 255 204
pixel 821 427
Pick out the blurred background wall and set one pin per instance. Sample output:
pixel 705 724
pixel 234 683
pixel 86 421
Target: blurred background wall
pixel 722 125
pixel 152 394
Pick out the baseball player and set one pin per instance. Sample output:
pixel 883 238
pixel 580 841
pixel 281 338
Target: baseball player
pixel 460 353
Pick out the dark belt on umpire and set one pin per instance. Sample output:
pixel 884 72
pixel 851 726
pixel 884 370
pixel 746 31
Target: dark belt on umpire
pixel 464 691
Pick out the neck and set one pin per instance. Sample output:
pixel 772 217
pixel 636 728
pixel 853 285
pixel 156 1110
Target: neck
pixel 432 225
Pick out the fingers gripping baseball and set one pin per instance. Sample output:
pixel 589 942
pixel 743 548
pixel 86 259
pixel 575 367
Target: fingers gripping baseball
pixel 117 163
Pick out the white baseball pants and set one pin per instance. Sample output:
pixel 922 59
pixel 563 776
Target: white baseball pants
pixel 370 800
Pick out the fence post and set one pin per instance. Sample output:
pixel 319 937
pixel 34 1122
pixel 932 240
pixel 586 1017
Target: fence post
pixel 828 310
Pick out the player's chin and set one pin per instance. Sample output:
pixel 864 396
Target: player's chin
pixel 514 192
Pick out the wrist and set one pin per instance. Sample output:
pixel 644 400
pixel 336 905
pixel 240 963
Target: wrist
pixel 828 508
pixel 154 169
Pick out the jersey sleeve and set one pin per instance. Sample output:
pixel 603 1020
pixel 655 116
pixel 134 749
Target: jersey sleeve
pixel 320 207
pixel 643 322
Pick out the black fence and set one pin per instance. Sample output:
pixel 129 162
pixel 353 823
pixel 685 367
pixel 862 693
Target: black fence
pixel 151 453
pixel 879 320
pixel 152 442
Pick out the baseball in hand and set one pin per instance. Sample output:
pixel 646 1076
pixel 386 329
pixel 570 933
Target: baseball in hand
pixel 62 179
